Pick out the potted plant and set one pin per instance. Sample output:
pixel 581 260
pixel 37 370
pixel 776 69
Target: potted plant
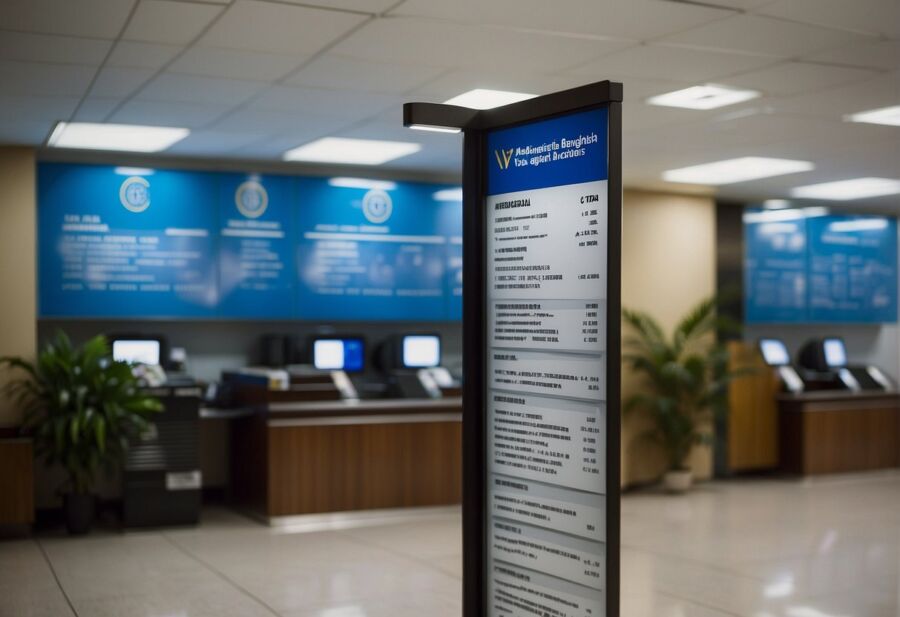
pixel 684 379
pixel 81 408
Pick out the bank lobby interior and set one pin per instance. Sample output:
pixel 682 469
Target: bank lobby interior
pixel 292 299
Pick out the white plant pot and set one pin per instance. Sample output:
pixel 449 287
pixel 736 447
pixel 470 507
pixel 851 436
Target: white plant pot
pixel 678 480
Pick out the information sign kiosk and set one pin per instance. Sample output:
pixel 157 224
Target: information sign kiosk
pixel 541 303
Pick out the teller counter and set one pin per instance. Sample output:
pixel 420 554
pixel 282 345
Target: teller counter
pixel 836 431
pixel 316 457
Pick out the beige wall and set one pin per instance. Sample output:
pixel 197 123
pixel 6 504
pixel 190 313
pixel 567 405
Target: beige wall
pixel 668 265
pixel 18 310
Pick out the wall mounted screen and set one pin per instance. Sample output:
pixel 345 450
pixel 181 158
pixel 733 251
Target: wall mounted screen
pixel 154 243
pixel 136 351
pixel 821 269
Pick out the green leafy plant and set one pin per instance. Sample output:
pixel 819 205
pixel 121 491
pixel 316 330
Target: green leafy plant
pixel 684 377
pixel 81 407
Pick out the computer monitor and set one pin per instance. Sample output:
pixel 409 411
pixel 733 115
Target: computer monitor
pixel 774 352
pixel 835 352
pixel 421 351
pixel 137 351
pixel 339 354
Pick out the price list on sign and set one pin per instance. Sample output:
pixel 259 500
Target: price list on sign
pixel 546 228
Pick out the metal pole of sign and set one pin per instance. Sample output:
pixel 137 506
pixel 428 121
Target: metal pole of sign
pixel 542 217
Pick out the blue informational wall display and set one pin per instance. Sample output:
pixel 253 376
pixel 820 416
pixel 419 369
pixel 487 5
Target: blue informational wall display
pixel 826 269
pixel 256 266
pixel 118 242
pixel 154 243
pixel 370 253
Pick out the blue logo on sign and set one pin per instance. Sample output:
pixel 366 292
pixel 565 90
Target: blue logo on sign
pixel 135 194
pixel 377 206
pixel 251 199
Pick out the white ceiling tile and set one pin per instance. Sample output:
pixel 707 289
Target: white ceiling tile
pixel 235 64
pixel 763 36
pixel 253 120
pixel 877 55
pixel 214 143
pixel 167 21
pixel 873 16
pixel 32 78
pixel 142 55
pixel 119 82
pixel 365 6
pixel 89 18
pixel 49 48
pixel 880 91
pixel 625 19
pixel 796 77
pixel 168 114
pixel 674 63
pixel 445 44
pixel 174 87
pixel 25 133
pixel 345 73
pixel 456 82
pixel 95 109
pixel 278 28
pixel 50 109
pixel 325 102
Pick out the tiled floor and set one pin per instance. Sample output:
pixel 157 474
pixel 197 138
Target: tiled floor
pixel 828 548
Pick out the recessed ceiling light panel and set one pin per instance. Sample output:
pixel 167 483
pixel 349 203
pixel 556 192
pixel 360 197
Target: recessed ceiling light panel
pixel 120 137
pixel 845 190
pixel 362 183
pixel 885 115
pixel 482 98
pixel 736 170
pixel 709 96
pixel 346 151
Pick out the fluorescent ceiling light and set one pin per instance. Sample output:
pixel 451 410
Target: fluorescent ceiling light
pixel 124 137
pixel 448 194
pixel 885 115
pixel 843 190
pixel 481 98
pixel 873 224
pixel 780 216
pixel 435 129
pixel 351 151
pixel 736 170
pixel 709 96
pixel 362 183
pixel 776 204
pixel 134 171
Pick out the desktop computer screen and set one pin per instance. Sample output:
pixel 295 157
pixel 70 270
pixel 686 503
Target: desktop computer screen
pixel 137 351
pixel 835 352
pixel 421 351
pixel 774 352
pixel 339 354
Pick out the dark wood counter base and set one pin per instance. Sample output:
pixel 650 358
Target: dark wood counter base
pixel 839 432
pixel 314 458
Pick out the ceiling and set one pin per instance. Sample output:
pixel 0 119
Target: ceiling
pixel 253 78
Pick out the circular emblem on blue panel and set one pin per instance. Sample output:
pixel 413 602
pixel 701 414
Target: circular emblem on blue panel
pixel 135 194
pixel 251 199
pixel 377 206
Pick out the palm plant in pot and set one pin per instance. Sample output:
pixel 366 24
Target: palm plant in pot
pixel 683 383
pixel 81 408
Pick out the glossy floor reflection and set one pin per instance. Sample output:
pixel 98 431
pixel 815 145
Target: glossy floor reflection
pixel 828 548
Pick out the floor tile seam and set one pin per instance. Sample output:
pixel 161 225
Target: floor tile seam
pixel 695 602
pixel 59 584
pixel 240 588
pixel 404 556
pixel 697 562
